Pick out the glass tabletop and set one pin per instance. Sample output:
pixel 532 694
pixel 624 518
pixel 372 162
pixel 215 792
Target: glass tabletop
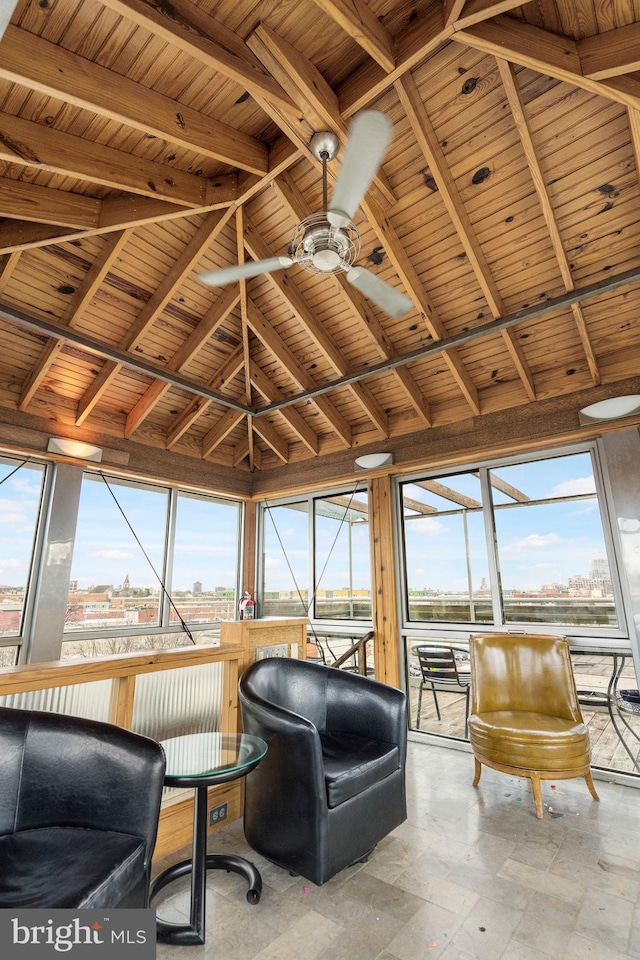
pixel 201 754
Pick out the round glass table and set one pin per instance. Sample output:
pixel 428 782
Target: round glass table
pixel 203 760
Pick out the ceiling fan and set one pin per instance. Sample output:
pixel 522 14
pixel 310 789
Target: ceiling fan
pixel 329 242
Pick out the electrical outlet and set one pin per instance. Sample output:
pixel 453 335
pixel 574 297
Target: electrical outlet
pixel 216 814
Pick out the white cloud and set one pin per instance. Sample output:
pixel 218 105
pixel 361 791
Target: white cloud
pixel 571 488
pixel 110 554
pixel 534 541
pixel 10 563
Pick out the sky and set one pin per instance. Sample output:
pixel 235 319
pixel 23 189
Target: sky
pixel 537 544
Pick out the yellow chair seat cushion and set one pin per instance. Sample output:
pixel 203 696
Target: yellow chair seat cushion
pixel 534 741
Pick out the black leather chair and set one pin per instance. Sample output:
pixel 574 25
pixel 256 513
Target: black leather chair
pixel 332 783
pixel 79 809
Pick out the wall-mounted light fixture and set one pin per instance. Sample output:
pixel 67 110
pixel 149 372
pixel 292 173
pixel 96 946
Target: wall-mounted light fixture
pixel 74 448
pixel 371 461
pixel 611 409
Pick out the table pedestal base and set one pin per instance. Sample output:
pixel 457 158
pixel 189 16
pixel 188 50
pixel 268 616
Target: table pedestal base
pixel 189 934
pixel 193 933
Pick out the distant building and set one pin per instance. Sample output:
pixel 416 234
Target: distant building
pixel 197 588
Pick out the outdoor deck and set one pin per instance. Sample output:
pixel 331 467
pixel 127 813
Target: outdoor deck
pixel 592 673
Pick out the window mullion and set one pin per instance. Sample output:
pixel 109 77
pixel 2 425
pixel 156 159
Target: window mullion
pixel 492 550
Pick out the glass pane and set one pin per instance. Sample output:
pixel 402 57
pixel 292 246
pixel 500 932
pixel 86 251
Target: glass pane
pixel 447 570
pixel 113 646
pixel 342 566
pixel 286 560
pixel 112 583
pixel 205 559
pixel 551 547
pixel 20 498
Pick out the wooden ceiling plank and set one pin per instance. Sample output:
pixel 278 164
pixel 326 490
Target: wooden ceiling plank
pixel 611 53
pixel 203 238
pixel 371 406
pixel 8 263
pixel 265 385
pixel 189 28
pixel 634 126
pixel 272 438
pixel 362 25
pixel 432 151
pixel 516 104
pixel 227 422
pixel 40 65
pixel 546 53
pixel 312 92
pixel 429 144
pixel 196 407
pixel 425 34
pixel 85 292
pixel 296 371
pixel 44 148
pixel 212 319
pixel 28 201
pixel 415 289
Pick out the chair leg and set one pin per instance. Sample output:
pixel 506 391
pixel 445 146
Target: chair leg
pixel 478 771
pixel 419 707
pixel 537 795
pixel 588 779
pixel 435 700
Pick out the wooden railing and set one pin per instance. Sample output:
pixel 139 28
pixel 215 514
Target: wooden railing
pixel 176 817
pixel 359 650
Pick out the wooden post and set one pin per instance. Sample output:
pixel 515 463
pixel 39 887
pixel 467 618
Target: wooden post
pixel 383 588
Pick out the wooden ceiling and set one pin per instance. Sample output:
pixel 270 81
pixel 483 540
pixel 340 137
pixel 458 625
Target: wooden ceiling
pixel 144 141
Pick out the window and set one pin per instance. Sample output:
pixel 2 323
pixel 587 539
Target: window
pixel 342 567
pixel 113 583
pixel 132 537
pixel 336 563
pixel 205 559
pixel 519 543
pixel 21 490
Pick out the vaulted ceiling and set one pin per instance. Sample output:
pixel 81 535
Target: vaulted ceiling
pixel 142 143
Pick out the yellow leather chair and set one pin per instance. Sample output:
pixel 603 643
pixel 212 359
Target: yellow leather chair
pixel 525 717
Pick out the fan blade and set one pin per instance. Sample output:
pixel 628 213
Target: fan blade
pixel 242 271
pixel 369 137
pixel 394 303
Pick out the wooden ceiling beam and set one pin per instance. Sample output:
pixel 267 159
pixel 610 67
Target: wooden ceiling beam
pixel 85 292
pixel 212 320
pixel 612 53
pixel 362 25
pixel 198 405
pixel 423 36
pixel 44 148
pixel 298 373
pixel 116 213
pixel 225 425
pixel 546 53
pixel 201 240
pixel 512 90
pixel 415 289
pixel 434 155
pixel 265 385
pixel 50 69
pixel 20 200
pixel 267 432
pixel 440 490
pixel 312 92
pixel 190 29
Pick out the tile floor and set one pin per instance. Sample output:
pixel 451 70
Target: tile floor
pixel 471 874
